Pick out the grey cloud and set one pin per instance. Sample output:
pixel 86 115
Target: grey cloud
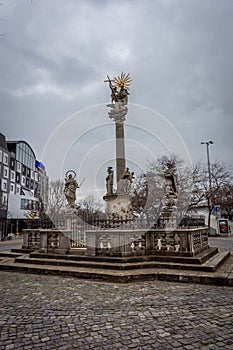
pixel 57 53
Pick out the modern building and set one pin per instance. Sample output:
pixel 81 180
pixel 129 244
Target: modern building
pixel 23 186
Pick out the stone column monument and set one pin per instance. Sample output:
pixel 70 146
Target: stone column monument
pixel 118 201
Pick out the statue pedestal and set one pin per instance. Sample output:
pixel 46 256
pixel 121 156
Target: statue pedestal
pixel 69 217
pixel 168 219
pixel 118 206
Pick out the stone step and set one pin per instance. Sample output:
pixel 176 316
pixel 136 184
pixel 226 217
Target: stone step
pixel 198 259
pixel 184 276
pixel 9 254
pixel 216 261
pixel 210 266
pixel 21 250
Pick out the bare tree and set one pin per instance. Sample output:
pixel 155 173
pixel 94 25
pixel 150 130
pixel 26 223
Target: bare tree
pixel 90 208
pixel 149 188
pixel 207 192
pixel 224 198
pixel 56 200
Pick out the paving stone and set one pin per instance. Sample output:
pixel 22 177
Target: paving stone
pixel 44 312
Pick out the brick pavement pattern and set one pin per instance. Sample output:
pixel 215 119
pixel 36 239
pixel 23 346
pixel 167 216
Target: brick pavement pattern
pixel 51 312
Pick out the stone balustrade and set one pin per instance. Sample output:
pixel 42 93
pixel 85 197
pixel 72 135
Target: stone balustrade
pixel 121 242
pixel 181 241
pixel 114 242
pixel 47 240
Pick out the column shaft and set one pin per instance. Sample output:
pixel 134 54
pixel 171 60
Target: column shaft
pixel 120 150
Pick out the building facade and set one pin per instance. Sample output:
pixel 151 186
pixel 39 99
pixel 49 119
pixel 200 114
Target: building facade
pixel 23 186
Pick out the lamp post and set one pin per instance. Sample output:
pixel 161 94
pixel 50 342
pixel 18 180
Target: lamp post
pixel 207 143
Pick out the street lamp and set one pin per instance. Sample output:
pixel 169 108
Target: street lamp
pixel 207 143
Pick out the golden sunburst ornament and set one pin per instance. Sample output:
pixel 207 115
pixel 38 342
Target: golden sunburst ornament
pixel 123 80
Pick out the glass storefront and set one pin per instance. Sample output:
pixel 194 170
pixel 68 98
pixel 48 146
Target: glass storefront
pixel 25 155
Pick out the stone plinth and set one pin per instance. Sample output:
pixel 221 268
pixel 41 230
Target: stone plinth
pixel 118 207
pixel 47 240
pixel 31 239
pixel 70 214
pixel 168 219
pixel 117 242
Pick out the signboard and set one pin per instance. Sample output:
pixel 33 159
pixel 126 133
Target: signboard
pixel 40 165
pixel 217 211
pixel 32 214
pixel 223 227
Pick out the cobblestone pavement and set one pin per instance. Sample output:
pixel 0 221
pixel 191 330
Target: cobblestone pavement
pixel 223 243
pixel 51 312
pixel 12 244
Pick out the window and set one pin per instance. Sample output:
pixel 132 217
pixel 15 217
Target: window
pixel 12 176
pixel 19 167
pixel 0 156
pixel 12 165
pixel 5 172
pixel 4 185
pixel 17 179
pixel 23 204
pixel 27 204
pixel 23 181
pixel 12 188
pixel 4 198
pixel 31 184
pixel 17 189
pixel 5 158
pixel 25 155
pixel 28 172
pixel 24 170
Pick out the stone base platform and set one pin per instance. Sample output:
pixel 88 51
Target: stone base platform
pixel 208 267
pixel 208 260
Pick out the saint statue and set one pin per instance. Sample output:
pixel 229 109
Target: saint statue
pixel 70 188
pixel 109 181
pixel 128 179
pixel 119 87
pixel 170 180
pixel 171 195
pixel 123 95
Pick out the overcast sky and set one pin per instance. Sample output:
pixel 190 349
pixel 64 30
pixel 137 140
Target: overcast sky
pixel 56 54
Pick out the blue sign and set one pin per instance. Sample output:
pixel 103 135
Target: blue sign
pixel 40 165
pixel 217 208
